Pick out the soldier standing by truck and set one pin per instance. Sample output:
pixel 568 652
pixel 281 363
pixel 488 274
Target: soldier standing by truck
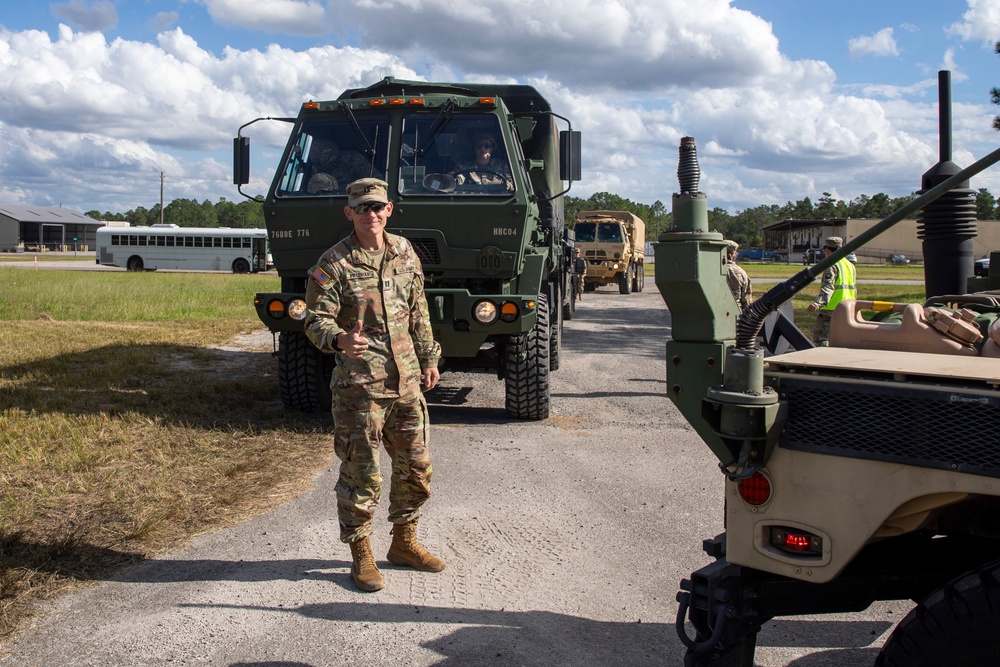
pixel 579 271
pixel 366 305
pixel 736 277
pixel 839 284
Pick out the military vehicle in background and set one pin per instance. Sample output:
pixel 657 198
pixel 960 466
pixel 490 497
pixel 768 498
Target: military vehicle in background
pixel 613 243
pixel 492 239
pixel 867 470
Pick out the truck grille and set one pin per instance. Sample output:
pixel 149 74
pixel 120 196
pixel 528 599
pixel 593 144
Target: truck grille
pixel 930 427
pixel 427 250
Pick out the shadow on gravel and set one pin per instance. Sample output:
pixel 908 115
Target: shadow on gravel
pixel 498 637
pixel 490 637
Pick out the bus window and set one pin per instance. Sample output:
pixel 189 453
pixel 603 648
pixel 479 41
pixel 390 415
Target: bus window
pixel 227 242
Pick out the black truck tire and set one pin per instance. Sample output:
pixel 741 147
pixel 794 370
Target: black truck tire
pixel 625 281
pixel 303 373
pixel 526 374
pixel 555 338
pixel 955 625
pixel 639 278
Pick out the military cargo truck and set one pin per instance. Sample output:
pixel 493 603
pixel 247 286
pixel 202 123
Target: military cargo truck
pixel 490 234
pixel 614 245
pixel 867 470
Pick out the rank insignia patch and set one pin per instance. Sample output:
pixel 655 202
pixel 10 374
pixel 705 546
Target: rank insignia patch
pixel 320 276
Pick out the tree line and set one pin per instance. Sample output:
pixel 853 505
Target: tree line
pixel 744 226
pixel 247 214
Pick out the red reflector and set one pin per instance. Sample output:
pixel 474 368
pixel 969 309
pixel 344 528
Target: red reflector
pixel 755 489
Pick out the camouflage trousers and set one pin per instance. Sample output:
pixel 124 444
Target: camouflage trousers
pixel 361 425
pixel 821 328
pixel 578 287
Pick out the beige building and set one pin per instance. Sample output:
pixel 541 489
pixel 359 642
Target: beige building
pixel 794 237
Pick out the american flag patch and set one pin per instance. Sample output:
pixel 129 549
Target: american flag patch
pixel 320 276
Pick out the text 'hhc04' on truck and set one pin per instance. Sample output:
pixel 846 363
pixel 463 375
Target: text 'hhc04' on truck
pixel 613 243
pixel 867 470
pixel 491 235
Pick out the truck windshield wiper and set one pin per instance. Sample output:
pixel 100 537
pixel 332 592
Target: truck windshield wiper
pixel 439 123
pixel 369 151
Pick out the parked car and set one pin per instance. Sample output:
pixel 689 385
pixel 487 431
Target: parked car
pixel 812 255
pixel 982 267
pixel 898 258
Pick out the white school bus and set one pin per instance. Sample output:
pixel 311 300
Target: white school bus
pixel 168 246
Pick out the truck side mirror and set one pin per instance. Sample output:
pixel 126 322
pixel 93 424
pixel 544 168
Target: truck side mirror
pixel 241 160
pixel 569 156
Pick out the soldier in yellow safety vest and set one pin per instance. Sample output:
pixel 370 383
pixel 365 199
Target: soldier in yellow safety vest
pixel 839 284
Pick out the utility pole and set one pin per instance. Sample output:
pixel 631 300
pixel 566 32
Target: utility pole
pixel 161 197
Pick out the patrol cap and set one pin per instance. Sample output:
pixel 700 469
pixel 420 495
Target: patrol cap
pixel 366 190
pixel 833 242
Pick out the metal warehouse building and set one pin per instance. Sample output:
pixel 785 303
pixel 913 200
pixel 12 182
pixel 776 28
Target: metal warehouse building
pixel 35 228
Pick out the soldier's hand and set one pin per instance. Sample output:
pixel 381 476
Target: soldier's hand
pixel 430 378
pixel 812 308
pixel 353 343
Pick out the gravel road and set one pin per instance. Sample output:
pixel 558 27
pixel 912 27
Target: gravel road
pixel 565 541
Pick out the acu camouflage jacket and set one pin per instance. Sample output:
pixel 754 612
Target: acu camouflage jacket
pixel 345 286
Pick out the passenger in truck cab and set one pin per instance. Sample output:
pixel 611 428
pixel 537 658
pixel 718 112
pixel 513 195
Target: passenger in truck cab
pixel 484 165
pixel 332 168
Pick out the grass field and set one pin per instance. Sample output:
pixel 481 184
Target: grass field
pixel 125 431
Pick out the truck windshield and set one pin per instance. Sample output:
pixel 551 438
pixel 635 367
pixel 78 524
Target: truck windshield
pixel 463 155
pixel 327 154
pixel 585 231
pixel 610 233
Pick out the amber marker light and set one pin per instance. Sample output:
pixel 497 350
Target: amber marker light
pixel 397 102
pixel 508 311
pixel 310 106
pixel 276 309
pixel 376 103
pixel 488 101
pixel 417 101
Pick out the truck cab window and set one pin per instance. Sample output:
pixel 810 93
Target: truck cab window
pixel 329 153
pixel 461 155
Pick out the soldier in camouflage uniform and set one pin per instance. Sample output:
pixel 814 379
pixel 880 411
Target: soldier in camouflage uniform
pixel 333 169
pixel 737 278
pixel 366 305
pixel 839 284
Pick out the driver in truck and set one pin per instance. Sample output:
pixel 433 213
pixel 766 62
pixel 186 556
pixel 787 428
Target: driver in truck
pixel 484 166
pixel 366 305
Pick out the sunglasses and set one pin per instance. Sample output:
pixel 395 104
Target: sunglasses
pixel 484 144
pixel 371 206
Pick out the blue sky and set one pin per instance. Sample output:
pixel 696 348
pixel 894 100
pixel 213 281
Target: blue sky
pixel 786 98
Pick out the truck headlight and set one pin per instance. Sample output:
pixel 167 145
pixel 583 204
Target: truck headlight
pixel 297 309
pixel 485 312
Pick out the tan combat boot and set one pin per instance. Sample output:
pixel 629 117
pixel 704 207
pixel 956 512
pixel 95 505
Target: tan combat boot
pixel 406 550
pixel 363 569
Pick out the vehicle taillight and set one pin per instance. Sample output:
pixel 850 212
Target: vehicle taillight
pixel 794 541
pixel 755 489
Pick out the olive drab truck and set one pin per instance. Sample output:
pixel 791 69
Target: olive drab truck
pixel 490 234
pixel 614 245
pixel 867 470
